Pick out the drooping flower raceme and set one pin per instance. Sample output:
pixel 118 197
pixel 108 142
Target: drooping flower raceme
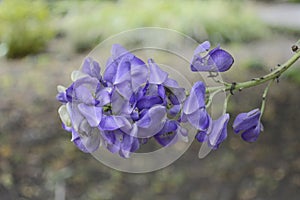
pixel 135 101
pixel 131 103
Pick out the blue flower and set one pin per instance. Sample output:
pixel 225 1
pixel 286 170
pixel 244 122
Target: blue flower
pixel 89 141
pixel 194 107
pixel 216 133
pixel 91 68
pixel 216 60
pixel 125 71
pixel 167 134
pixel 249 124
pixel 119 142
pixel 157 75
pixel 168 89
pixel 83 110
pixel 170 133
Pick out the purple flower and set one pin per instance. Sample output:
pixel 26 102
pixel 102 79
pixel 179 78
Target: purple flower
pixel 87 141
pixel 114 122
pixel 167 135
pixel 143 110
pixel 91 68
pixel 216 133
pixel 82 102
pixel 62 97
pixel 168 89
pixel 151 122
pixel 249 124
pixel 157 75
pixel 194 107
pixel 170 133
pixel 125 71
pixel 216 60
pixel 83 109
pixel 119 142
pixel 149 96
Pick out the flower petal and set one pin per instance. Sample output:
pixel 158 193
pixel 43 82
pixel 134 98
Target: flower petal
pixel 110 70
pixel 76 75
pixel 79 145
pixel 176 90
pixel 157 75
pixel 219 131
pixel 221 59
pixel 125 89
pixel 148 101
pixel 75 115
pixel 123 72
pixel 84 95
pixel 62 97
pixel 64 115
pixel 182 133
pixel 196 99
pixel 174 110
pixel 92 114
pixel 117 51
pixel 119 104
pixel 103 96
pixel 110 123
pixel 152 121
pixel 200 63
pixel 92 141
pixel 129 144
pixel 139 73
pixel 203 47
pixel 167 134
pixel 201 136
pixel 82 90
pixel 92 68
pixel 87 144
pixel 200 119
pixel 252 134
pixel 109 136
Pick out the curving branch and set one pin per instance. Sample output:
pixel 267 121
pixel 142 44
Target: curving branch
pixel 258 81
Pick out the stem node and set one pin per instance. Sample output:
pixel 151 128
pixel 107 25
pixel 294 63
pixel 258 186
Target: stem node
pixel 295 48
pixel 232 88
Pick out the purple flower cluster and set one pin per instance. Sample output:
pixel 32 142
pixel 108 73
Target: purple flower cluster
pixel 135 101
pixel 132 102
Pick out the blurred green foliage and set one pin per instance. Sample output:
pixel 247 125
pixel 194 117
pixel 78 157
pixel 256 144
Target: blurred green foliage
pixel 24 26
pixel 88 22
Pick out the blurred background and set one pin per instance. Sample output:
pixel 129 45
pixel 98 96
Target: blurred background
pixel 41 42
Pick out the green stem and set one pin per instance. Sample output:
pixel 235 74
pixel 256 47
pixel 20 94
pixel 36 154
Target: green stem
pixel 226 103
pixel 210 98
pixel 257 81
pixel 263 104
